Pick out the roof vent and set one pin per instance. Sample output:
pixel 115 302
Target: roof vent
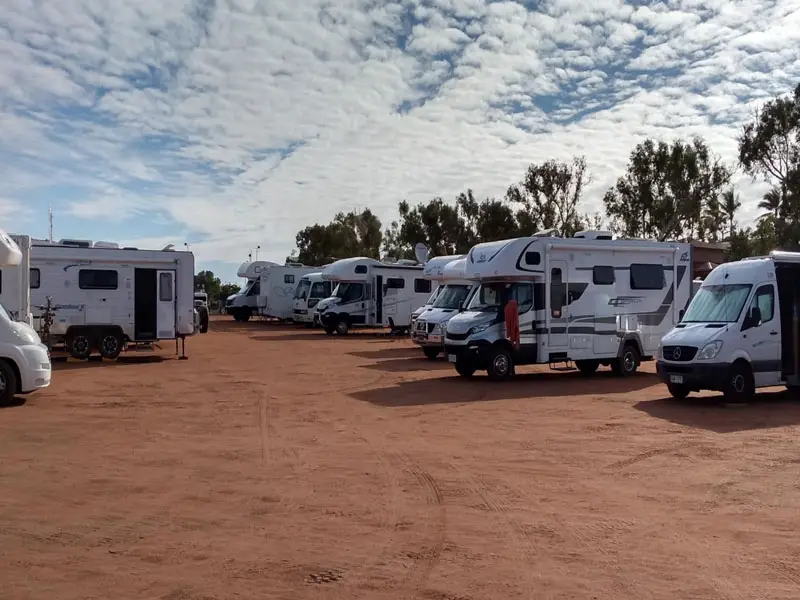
pixel 593 235
pixel 113 245
pixel 407 261
pixel 76 243
pixel 546 233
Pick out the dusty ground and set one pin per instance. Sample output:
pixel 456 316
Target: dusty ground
pixel 280 463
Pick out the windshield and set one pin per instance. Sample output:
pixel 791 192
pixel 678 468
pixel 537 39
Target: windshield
pixel 3 314
pixel 490 296
pixel 717 304
pixel 434 295
pixel 302 289
pixel 349 292
pixel 452 296
pixel 249 286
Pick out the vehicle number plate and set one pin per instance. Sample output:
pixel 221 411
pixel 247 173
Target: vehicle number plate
pixel 676 378
pixel 451 358
pixel 434 338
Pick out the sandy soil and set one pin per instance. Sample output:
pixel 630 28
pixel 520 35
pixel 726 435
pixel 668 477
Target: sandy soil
pixel 279 463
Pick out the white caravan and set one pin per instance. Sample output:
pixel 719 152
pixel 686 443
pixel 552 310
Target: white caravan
pixel 433 271
pixel 371 293
pixel 311 289
pixel 104 296
pixel 740 332
pixel 24 360
pixel 429 328
pixel 244 304
pixel 276 289
pixel 588 299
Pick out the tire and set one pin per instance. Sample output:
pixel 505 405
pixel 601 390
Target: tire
pixel 110 344
pixel 245 315
pixel 679 392
pixel 626 365
pixel 587 367
pixel 330 330
pixel 741 386
pixel 8 383
pixel 342 326
pixel 203 327
pixel 501 364
pixel 465 367
pixel 79 344
pixel 431 353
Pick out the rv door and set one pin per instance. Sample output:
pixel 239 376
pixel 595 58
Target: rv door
pixel 166 305
pixel 557 306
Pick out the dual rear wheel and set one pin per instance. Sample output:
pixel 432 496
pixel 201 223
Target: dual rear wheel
pixel 82 342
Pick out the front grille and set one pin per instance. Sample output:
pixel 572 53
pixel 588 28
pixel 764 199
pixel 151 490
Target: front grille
pixel 457 336
pixel 678 353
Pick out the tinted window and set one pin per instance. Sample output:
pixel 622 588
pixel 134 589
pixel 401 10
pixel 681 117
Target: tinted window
pixel 603 275
pixel 395 283
pixel 523 294
pixel 533 258
pixel 361 269
pixel 765 301
pixel 538 296
pixel 96 279
pixel 647 277
pixel 321 289
pixel 255 289
pixel 35 279
pixel 288 279
pixel 558 293
pixel 165 293
pixel 422 286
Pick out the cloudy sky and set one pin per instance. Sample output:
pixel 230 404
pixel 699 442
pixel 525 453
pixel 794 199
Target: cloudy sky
pixel 233 123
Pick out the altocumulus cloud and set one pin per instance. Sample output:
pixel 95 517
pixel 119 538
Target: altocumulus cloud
pixel 239 122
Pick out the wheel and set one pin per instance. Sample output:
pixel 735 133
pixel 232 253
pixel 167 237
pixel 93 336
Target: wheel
pixel 342 326
pixel 8 383
pixel 79 345
pixel 501 365
pixel 741 386
pixel 203 327
pixel 464 366
pixel 330 330
pixel 431 353
pixel 111 343
pixel 627 364
pixel 244 315
pixel 587 367
pixel 679 392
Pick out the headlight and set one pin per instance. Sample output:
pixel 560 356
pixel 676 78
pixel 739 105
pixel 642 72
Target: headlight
pixel 479 329
pixel 710 350
pixel 660 351
pixel 439 328
pixel 27 337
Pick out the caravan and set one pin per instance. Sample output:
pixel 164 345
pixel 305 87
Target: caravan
pixel 311 289
pixel 371 293
pixel 277 287
pixel 433 270
pixel 244 304
pixel 103 296
pixel 590 300
pixel 429 328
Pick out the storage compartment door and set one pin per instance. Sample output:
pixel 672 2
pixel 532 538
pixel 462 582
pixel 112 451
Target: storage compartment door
pixel 166 305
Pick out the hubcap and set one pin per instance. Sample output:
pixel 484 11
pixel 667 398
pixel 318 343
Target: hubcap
pixel 80 345
pixel 110 344
pixel 628 361
pixel 342 327
pixel 501 364
pixel 738 383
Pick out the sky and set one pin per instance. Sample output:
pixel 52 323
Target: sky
pixel 232 124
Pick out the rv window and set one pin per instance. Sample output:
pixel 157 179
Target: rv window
pixel 422 286
pixel 165 293
pixel 35 279
pixel 349 292
pixel 765 301
pixel 523 294
pixel 558 293
pixel 395 283
pixel 538 296
pixel 647 277
pixel 603 275
pixel 321 289
pixel 96 279
pixel 361 269
pixel 288 278
pixel 254 289
pixel 533 258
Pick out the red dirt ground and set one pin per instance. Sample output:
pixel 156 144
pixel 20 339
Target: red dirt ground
pixel 280 463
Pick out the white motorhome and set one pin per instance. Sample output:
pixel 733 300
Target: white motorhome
pixel 276 289
pixel 244 304
pixel 310 290
pixel 371 293
pixel 456 291
pixel 104 296
pixel 434 271
pixel 589 300
pixel 740 332
pixel 24 360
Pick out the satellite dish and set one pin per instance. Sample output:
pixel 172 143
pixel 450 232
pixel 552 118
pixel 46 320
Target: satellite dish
pixel 421 252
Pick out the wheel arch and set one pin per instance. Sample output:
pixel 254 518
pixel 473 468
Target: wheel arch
pixel 15 368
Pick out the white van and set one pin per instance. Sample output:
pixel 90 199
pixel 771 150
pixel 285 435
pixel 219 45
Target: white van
pixel 740 331
pixel 310 290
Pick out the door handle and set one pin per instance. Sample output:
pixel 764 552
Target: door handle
pixel 773 333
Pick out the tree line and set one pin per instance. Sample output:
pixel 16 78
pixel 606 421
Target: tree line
pixel 669 191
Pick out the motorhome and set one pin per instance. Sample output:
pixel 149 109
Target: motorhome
pixel 276 289
pixel 740 332
pixel 103 296
pixel 310 290
pixel 429 328
pixel 588 300
pixel 434 271
pixel 371 293
pixel 24 360
pixel 244 304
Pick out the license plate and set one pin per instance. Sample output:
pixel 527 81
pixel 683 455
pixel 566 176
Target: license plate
pixel 676 378
pixel 434 338
pixel 451 358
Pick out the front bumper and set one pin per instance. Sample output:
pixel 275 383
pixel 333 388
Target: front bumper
pixel 476 351
pixel 695 376
pixel 35 370
pixel 302 316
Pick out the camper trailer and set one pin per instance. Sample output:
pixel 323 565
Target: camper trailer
pixel 310 290
pixel 103 296
pixel 590 300
pixel 24 359
pixel 429 328
pixel 740 332
pixel 244 304
pixel 433 270
pixel 371 293
pixel 276 289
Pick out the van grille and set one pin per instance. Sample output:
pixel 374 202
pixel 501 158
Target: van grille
pixel 678 353
pixel 457 336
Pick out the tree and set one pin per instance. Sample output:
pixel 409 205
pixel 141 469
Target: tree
pixel 436 224
pixel 730 206
pixel 486 221
pixel 669 191
pixel 348 234
pixel 548 197
pixel 207 282
pixel 228 289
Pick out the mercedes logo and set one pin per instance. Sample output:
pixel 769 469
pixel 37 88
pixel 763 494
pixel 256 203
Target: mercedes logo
pixel 676 354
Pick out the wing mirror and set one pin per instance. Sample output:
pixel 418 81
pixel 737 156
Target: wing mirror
pixel 752 319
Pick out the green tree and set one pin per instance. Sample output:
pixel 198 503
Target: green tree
pixel 436 224
pixel 348 234
pixel 228 289
pixel 207 282
pixel 486 221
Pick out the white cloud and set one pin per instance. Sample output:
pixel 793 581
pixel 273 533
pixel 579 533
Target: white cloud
pixel 246 120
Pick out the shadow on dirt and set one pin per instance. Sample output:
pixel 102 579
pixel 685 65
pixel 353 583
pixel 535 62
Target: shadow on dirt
pixel 416 363
pixel 223 325
pixel 451 390
pixel 15 402
pixel 64 364
pixel 769 410
pixel 391 352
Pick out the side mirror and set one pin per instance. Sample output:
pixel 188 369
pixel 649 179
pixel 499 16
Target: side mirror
pixel 752 319
pixel 681 312
pixel 461 307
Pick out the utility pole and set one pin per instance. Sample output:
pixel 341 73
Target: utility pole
pixel 50 221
